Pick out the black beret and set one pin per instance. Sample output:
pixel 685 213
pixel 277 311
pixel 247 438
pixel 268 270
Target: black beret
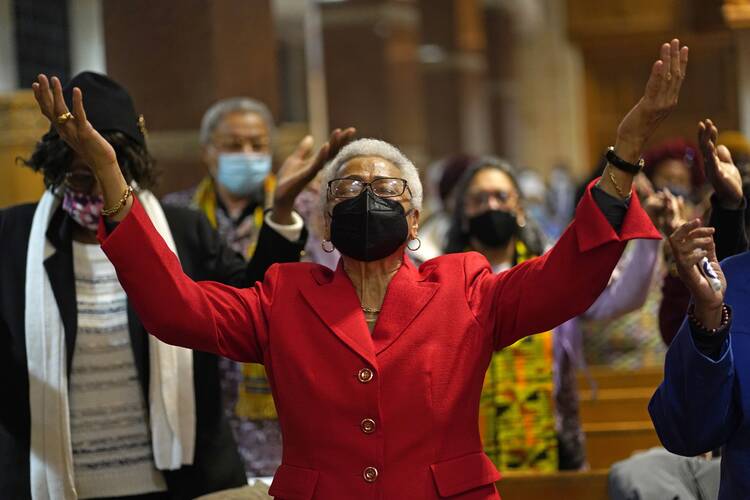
pixel 108 105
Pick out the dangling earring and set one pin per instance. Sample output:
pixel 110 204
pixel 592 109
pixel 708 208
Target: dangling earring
pixel 419 245
pixel 327 249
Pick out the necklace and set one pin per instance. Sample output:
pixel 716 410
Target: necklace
pixel 371 310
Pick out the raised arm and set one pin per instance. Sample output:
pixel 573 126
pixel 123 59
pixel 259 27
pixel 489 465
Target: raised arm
pixel 542 293
pixel 205 316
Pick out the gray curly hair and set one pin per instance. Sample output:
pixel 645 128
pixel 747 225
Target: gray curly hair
pixel 220 109
pixel 381 149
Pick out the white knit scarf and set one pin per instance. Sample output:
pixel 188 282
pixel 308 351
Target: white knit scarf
pixel 171 393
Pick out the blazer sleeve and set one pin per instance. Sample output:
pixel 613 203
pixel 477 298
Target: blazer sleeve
pixel 544 292
pixel 206 316
pixel 693 409
pixel 226 266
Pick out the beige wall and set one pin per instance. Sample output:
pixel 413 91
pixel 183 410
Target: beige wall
pixel 22 126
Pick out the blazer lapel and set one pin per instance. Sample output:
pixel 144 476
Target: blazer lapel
pixel 406 297
pixel 59 268
pixel 335 302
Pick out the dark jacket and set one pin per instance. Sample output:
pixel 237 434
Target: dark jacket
pixel 203 256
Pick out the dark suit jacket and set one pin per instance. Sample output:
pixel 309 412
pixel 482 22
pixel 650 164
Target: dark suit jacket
pixel 217 464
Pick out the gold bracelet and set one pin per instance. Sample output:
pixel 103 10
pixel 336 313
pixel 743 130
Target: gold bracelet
pixel 108 212
pixel 614 182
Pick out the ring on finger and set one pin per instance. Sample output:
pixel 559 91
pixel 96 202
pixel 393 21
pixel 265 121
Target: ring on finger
pixel 65 117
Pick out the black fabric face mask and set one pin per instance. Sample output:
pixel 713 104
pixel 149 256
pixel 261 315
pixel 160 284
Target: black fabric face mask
pixel 368 227
pixel 494 228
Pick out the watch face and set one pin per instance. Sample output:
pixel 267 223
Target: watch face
pixel 622 164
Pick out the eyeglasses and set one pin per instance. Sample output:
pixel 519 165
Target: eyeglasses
pixel 81 181
pixel 385 187
pixel 482 198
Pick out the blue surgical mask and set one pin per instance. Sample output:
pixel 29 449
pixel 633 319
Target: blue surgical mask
pixel 242 173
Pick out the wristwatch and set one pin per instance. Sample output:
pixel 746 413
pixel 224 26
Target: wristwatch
pixel 618 162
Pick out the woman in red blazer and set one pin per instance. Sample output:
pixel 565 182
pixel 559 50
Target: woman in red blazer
pixel 377 367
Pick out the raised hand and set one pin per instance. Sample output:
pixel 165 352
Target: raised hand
pixel 300 168
pixel 73 127
pixel 82 138
pixel 720 169
pixel 660 97
pixel 690 244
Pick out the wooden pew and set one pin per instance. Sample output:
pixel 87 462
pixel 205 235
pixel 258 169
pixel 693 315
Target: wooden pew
pixel 608 378
pixel 615 405
pixel 607 443
pixel 589 485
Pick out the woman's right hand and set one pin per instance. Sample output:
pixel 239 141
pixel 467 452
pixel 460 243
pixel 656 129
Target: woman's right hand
pixel 77 132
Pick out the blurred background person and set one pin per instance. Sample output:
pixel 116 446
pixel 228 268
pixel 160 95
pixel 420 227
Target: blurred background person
pixel 237 150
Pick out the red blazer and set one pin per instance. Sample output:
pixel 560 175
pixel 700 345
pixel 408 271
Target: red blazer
pixel 387 415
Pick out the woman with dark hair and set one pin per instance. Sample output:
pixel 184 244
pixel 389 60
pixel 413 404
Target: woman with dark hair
pixel 97 407
pixel 377 367
pixel 488 217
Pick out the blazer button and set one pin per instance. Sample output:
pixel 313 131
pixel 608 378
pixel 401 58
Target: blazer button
pixel 370 474
pixel 365 375
pixel 367 425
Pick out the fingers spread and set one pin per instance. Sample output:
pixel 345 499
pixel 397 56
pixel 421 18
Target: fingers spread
pixel 78 111
pixel 59 105
pixel 655 80
pixel 674 58
pixel 683 61
pixel 45 97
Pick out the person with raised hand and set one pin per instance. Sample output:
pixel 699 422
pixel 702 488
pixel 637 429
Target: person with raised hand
pixel 698 407
pixel 99 408
pixel 377 367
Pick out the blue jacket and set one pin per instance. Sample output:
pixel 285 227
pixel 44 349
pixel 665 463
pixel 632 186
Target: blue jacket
pixel 704 404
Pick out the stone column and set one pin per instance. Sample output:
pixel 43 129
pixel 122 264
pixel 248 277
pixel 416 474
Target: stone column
pixel 454 69
pixel 372 76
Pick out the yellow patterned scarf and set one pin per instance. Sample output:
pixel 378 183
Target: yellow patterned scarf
pixel 516 418
pixel 254 399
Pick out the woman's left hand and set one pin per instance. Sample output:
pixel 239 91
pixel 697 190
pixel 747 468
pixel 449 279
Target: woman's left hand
pixel 659 99
pixel 299 169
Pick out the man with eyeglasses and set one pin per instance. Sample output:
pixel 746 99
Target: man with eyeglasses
pixel 236 138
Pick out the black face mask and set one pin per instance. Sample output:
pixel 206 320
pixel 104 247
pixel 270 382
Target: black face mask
pixel 494 228
pixel 368 227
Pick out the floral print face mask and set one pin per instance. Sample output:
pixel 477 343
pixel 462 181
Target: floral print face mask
pixel 85 209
